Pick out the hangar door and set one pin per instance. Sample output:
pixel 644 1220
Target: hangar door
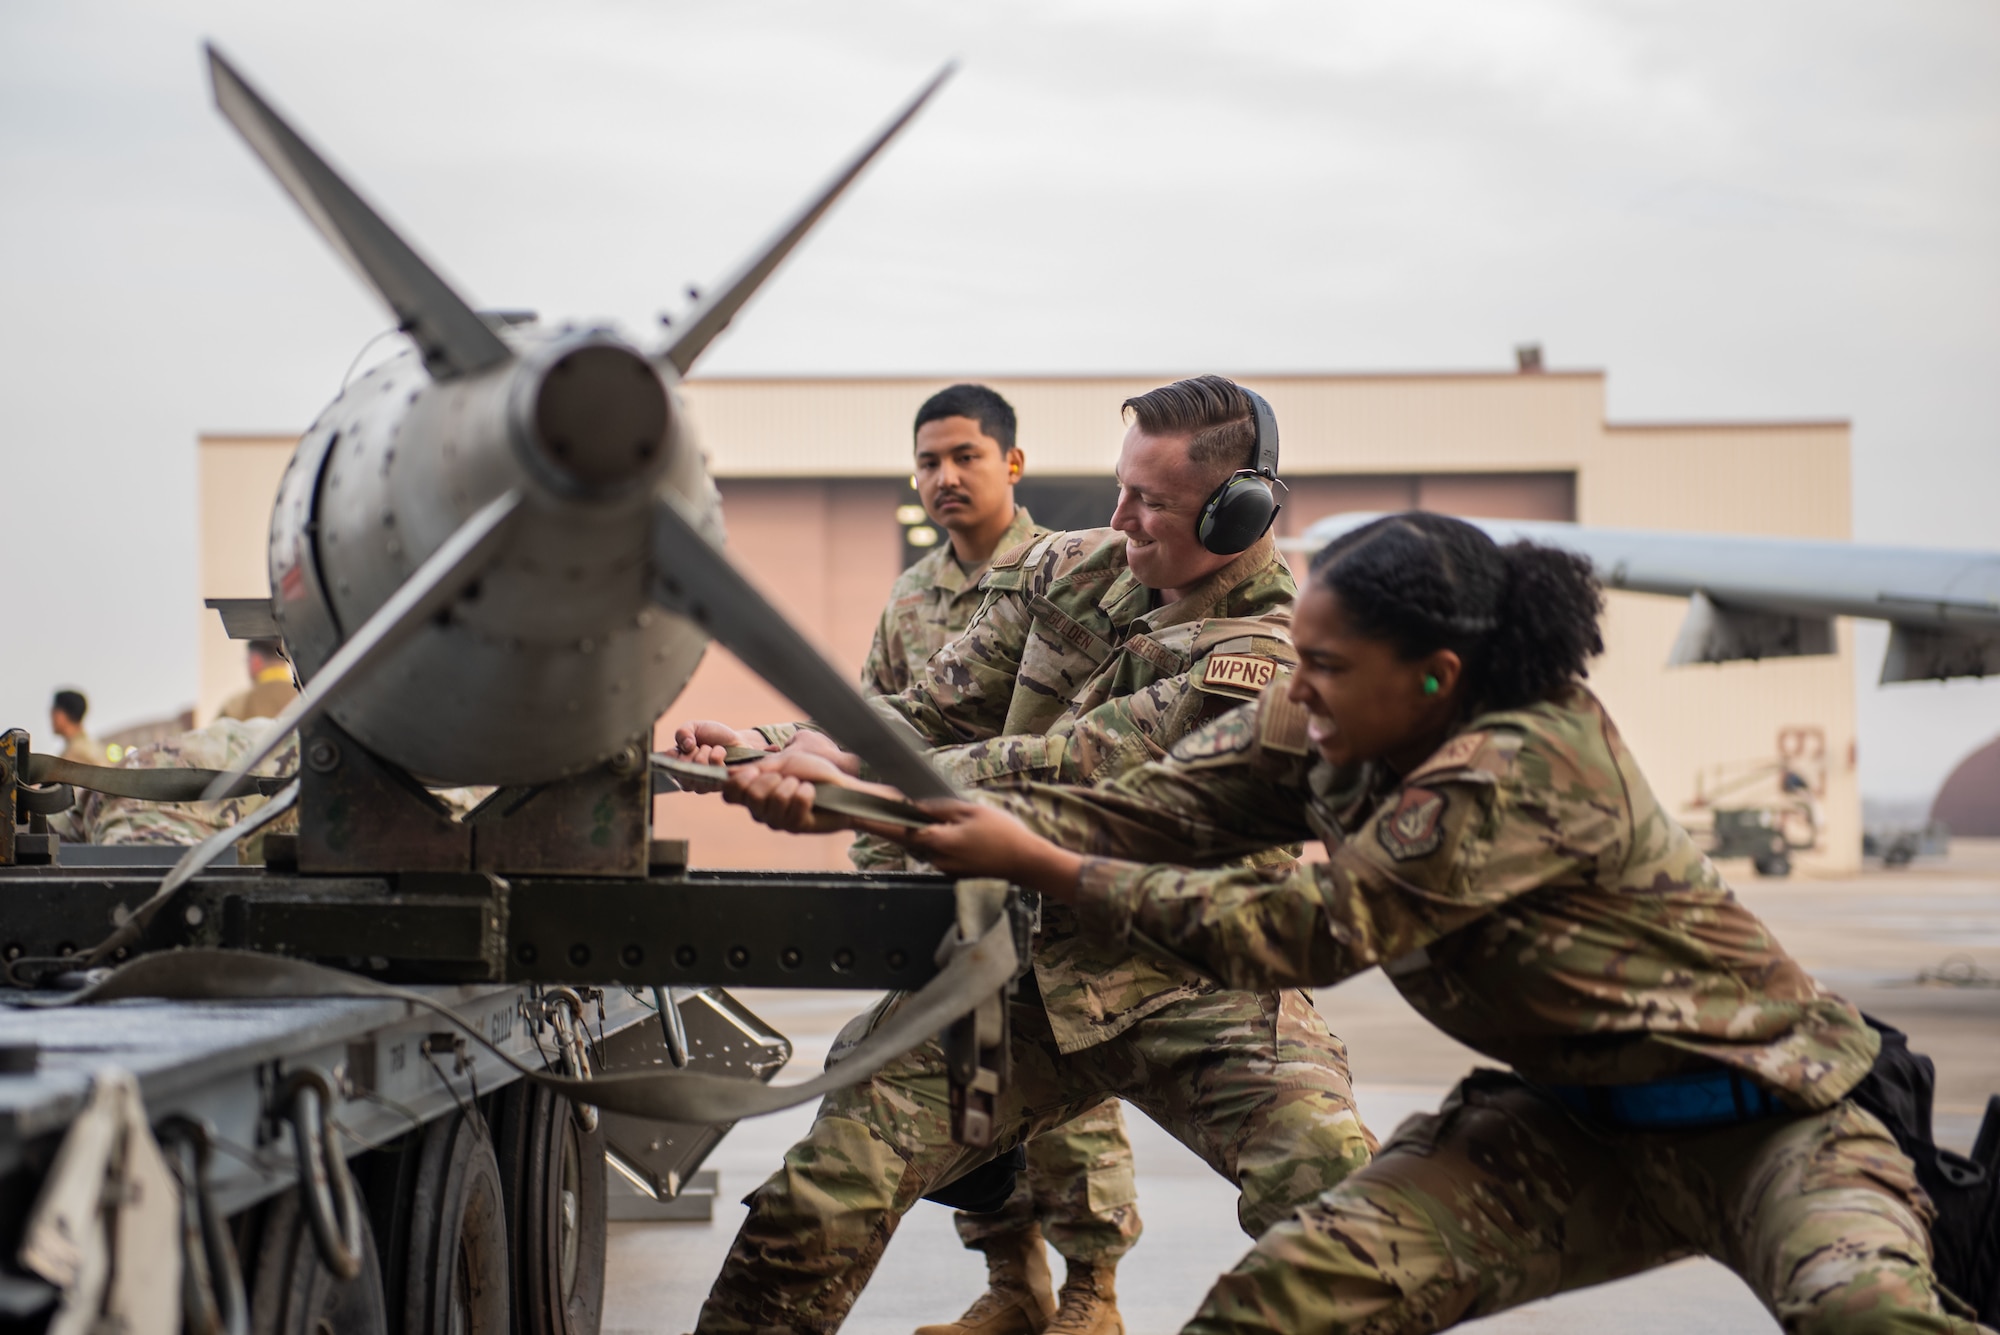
pixel 1477 495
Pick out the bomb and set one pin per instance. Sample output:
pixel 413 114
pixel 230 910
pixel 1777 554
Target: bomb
pixel 496 557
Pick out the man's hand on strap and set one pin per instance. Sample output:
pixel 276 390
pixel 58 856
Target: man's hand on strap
pixel 779 792
pixel 808 742
pixel 707 742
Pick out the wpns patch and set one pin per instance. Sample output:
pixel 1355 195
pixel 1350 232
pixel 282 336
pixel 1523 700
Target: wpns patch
pixel 1238 674
pixel 1415 828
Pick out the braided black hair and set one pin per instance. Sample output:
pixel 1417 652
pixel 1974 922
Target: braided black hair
pixel 1523 617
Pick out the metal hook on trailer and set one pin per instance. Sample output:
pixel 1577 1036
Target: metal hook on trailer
pixel 671 1025
pixel 212 1296
pixel 326 1190
pixel 565 1011
pixel 45 799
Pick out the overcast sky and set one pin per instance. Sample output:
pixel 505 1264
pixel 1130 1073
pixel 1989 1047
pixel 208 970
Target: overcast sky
pixel 1737 210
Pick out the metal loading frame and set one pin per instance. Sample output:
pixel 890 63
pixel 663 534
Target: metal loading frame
pixel 732 929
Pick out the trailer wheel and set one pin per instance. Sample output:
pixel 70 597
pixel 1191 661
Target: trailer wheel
pixel 438 1195
pixel 553 1170
pixel 292 1291
pixel 1773 864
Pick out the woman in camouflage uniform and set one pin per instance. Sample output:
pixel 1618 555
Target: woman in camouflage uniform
pixel 1678 1084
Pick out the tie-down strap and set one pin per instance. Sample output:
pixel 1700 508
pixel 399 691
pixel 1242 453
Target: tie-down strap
pixel 826 796
pixel 148 785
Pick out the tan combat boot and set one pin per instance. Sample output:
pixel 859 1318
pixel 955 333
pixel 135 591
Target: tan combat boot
pixel 1089 1302
pixel 1019 1297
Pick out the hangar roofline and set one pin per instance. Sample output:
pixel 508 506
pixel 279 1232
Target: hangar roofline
pixel 1736 424
pixel 908 377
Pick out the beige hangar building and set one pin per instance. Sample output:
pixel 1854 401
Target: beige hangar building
pixel 814 475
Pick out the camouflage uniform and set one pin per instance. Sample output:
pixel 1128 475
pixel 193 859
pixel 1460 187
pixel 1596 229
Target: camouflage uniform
pixel 265 697
pixel 84 749
pixel 1526 892
pixel 1069 673
pixel 1079 1185
pixel 929 606
pixel 1069 670
pixel 100 819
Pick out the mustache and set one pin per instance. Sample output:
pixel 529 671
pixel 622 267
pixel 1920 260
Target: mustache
pixel 941 497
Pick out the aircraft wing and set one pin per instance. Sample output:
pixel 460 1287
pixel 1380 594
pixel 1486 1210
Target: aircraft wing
pixel 1762 597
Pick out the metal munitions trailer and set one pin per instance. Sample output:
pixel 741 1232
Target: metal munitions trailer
pixel 478 1197
pixel 460 1170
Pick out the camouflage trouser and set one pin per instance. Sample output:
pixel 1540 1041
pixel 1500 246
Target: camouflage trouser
pixel 1079 1186
pixel 1254 1084
pixel 1501 1198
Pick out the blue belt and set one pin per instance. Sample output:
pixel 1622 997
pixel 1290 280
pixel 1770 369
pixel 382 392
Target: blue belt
pixel 1677 1102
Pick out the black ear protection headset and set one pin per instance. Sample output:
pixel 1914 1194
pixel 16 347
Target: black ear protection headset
pixel 1240 511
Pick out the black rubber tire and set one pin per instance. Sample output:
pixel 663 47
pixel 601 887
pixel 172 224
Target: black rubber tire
pixel 291 1290
pixel 439 1191
pixel 553 1172
pixel 1773 864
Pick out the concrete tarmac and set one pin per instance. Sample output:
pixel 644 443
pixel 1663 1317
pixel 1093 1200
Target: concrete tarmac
pixel 1869 937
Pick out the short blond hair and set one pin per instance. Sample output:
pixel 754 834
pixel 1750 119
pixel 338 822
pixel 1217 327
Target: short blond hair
pixel 1212 411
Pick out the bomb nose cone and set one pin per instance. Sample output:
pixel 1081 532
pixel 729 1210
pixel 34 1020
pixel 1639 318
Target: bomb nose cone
pixel 600 416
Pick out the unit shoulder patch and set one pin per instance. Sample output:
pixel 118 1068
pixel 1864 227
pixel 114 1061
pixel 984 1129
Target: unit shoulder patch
pixel 1241 675
pixel 1415 828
